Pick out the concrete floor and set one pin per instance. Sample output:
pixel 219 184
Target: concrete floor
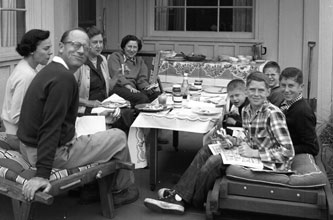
pixel 171 165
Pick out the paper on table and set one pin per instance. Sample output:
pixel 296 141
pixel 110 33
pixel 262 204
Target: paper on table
pixel 89 125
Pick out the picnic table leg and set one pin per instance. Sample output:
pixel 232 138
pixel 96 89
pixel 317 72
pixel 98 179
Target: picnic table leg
pixel 175 139
pixel 153 158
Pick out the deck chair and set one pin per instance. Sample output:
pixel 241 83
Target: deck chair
pixel 306 194
pixel 14 171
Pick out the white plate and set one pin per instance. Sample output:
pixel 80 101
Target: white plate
pixel 217 90
pixel 206 111
pixel 114 104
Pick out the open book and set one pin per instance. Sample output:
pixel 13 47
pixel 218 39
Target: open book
pixel 231 156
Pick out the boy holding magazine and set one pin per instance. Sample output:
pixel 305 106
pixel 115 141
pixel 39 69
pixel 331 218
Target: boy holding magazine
pixel 267 139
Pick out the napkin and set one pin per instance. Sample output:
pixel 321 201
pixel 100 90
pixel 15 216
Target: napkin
pixel 114 98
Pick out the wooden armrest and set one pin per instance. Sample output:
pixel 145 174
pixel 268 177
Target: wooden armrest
pixel 327 187
pixel 125 165
pixel 14 190
pixel 86 176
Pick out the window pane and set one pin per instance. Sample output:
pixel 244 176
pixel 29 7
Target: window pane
pixel 236 3
pixel 12 23
pixel 160 3
pixel 169 19
pixel 87 13
pixel 236 20
pixel 201 3
pixel 199 19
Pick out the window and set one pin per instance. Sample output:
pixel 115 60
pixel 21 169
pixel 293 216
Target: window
pixel 12 22
pixel 87 13
pixel 209 16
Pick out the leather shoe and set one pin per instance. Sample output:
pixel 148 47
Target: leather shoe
pixel 126 196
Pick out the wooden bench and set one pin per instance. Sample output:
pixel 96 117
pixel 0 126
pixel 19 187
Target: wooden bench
pixel 10 185
pixel 237 193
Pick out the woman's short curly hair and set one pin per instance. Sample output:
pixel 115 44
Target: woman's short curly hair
pixel 93 31
pixel 128 38
pixel 30 41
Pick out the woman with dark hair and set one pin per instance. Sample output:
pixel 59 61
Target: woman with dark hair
pixel 35 47
pixel 131 73
pixel 95 84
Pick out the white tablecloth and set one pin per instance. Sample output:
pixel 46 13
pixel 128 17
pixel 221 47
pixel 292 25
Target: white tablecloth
pixel 182 119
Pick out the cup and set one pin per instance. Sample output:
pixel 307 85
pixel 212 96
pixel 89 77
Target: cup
pixel 198 84
pixel 177 96
pixel 195 96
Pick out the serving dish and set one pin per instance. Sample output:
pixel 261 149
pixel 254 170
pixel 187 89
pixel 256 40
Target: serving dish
pixel 115 104
pixel 195 57
pixel 206 111
pixel 149 107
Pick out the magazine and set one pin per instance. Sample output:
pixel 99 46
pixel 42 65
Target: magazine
pixel 231 156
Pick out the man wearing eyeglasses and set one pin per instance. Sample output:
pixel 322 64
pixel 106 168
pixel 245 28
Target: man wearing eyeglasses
pixel 47 125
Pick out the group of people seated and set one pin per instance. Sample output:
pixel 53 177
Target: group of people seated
pixel 275 130
pixel 40 110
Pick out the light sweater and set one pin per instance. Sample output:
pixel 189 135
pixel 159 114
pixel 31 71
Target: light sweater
pixel 16 87
pixel 82 76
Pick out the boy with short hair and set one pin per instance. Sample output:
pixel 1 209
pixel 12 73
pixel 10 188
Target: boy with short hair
pixel 236 93
pixel 268 139
pixel 272 70
pixel 300 118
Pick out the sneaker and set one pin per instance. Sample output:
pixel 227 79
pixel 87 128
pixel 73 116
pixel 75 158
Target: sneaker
pixel 170 204
pixel 126 196
pixel 164 192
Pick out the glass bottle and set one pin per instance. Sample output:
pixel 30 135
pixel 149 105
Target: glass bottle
pixel 185 86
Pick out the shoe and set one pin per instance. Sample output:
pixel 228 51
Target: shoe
pixel 164 192
pixel 126 196
pixel 171 204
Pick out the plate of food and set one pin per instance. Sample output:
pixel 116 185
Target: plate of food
pixel 206 111
pixel 216 90
pixel 149 107
pixel 115 104
pixel 168 89
pixel 180 58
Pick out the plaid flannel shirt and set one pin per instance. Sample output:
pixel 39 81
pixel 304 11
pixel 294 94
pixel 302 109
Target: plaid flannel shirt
pixel 267 131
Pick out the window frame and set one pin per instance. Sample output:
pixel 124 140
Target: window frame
pixel 226 36
pixel 9 53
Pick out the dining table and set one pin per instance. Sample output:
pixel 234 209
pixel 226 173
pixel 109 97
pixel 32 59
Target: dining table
pixel 197 116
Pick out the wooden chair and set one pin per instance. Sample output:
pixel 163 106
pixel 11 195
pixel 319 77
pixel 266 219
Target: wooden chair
pixel 102 172
pixel 242 194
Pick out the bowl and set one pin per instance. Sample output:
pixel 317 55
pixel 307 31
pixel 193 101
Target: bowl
pixel 195 57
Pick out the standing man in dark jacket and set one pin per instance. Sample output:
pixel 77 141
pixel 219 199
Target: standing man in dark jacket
pixel 47 124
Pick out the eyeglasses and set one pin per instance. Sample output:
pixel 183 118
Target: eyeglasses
pixel 77 45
